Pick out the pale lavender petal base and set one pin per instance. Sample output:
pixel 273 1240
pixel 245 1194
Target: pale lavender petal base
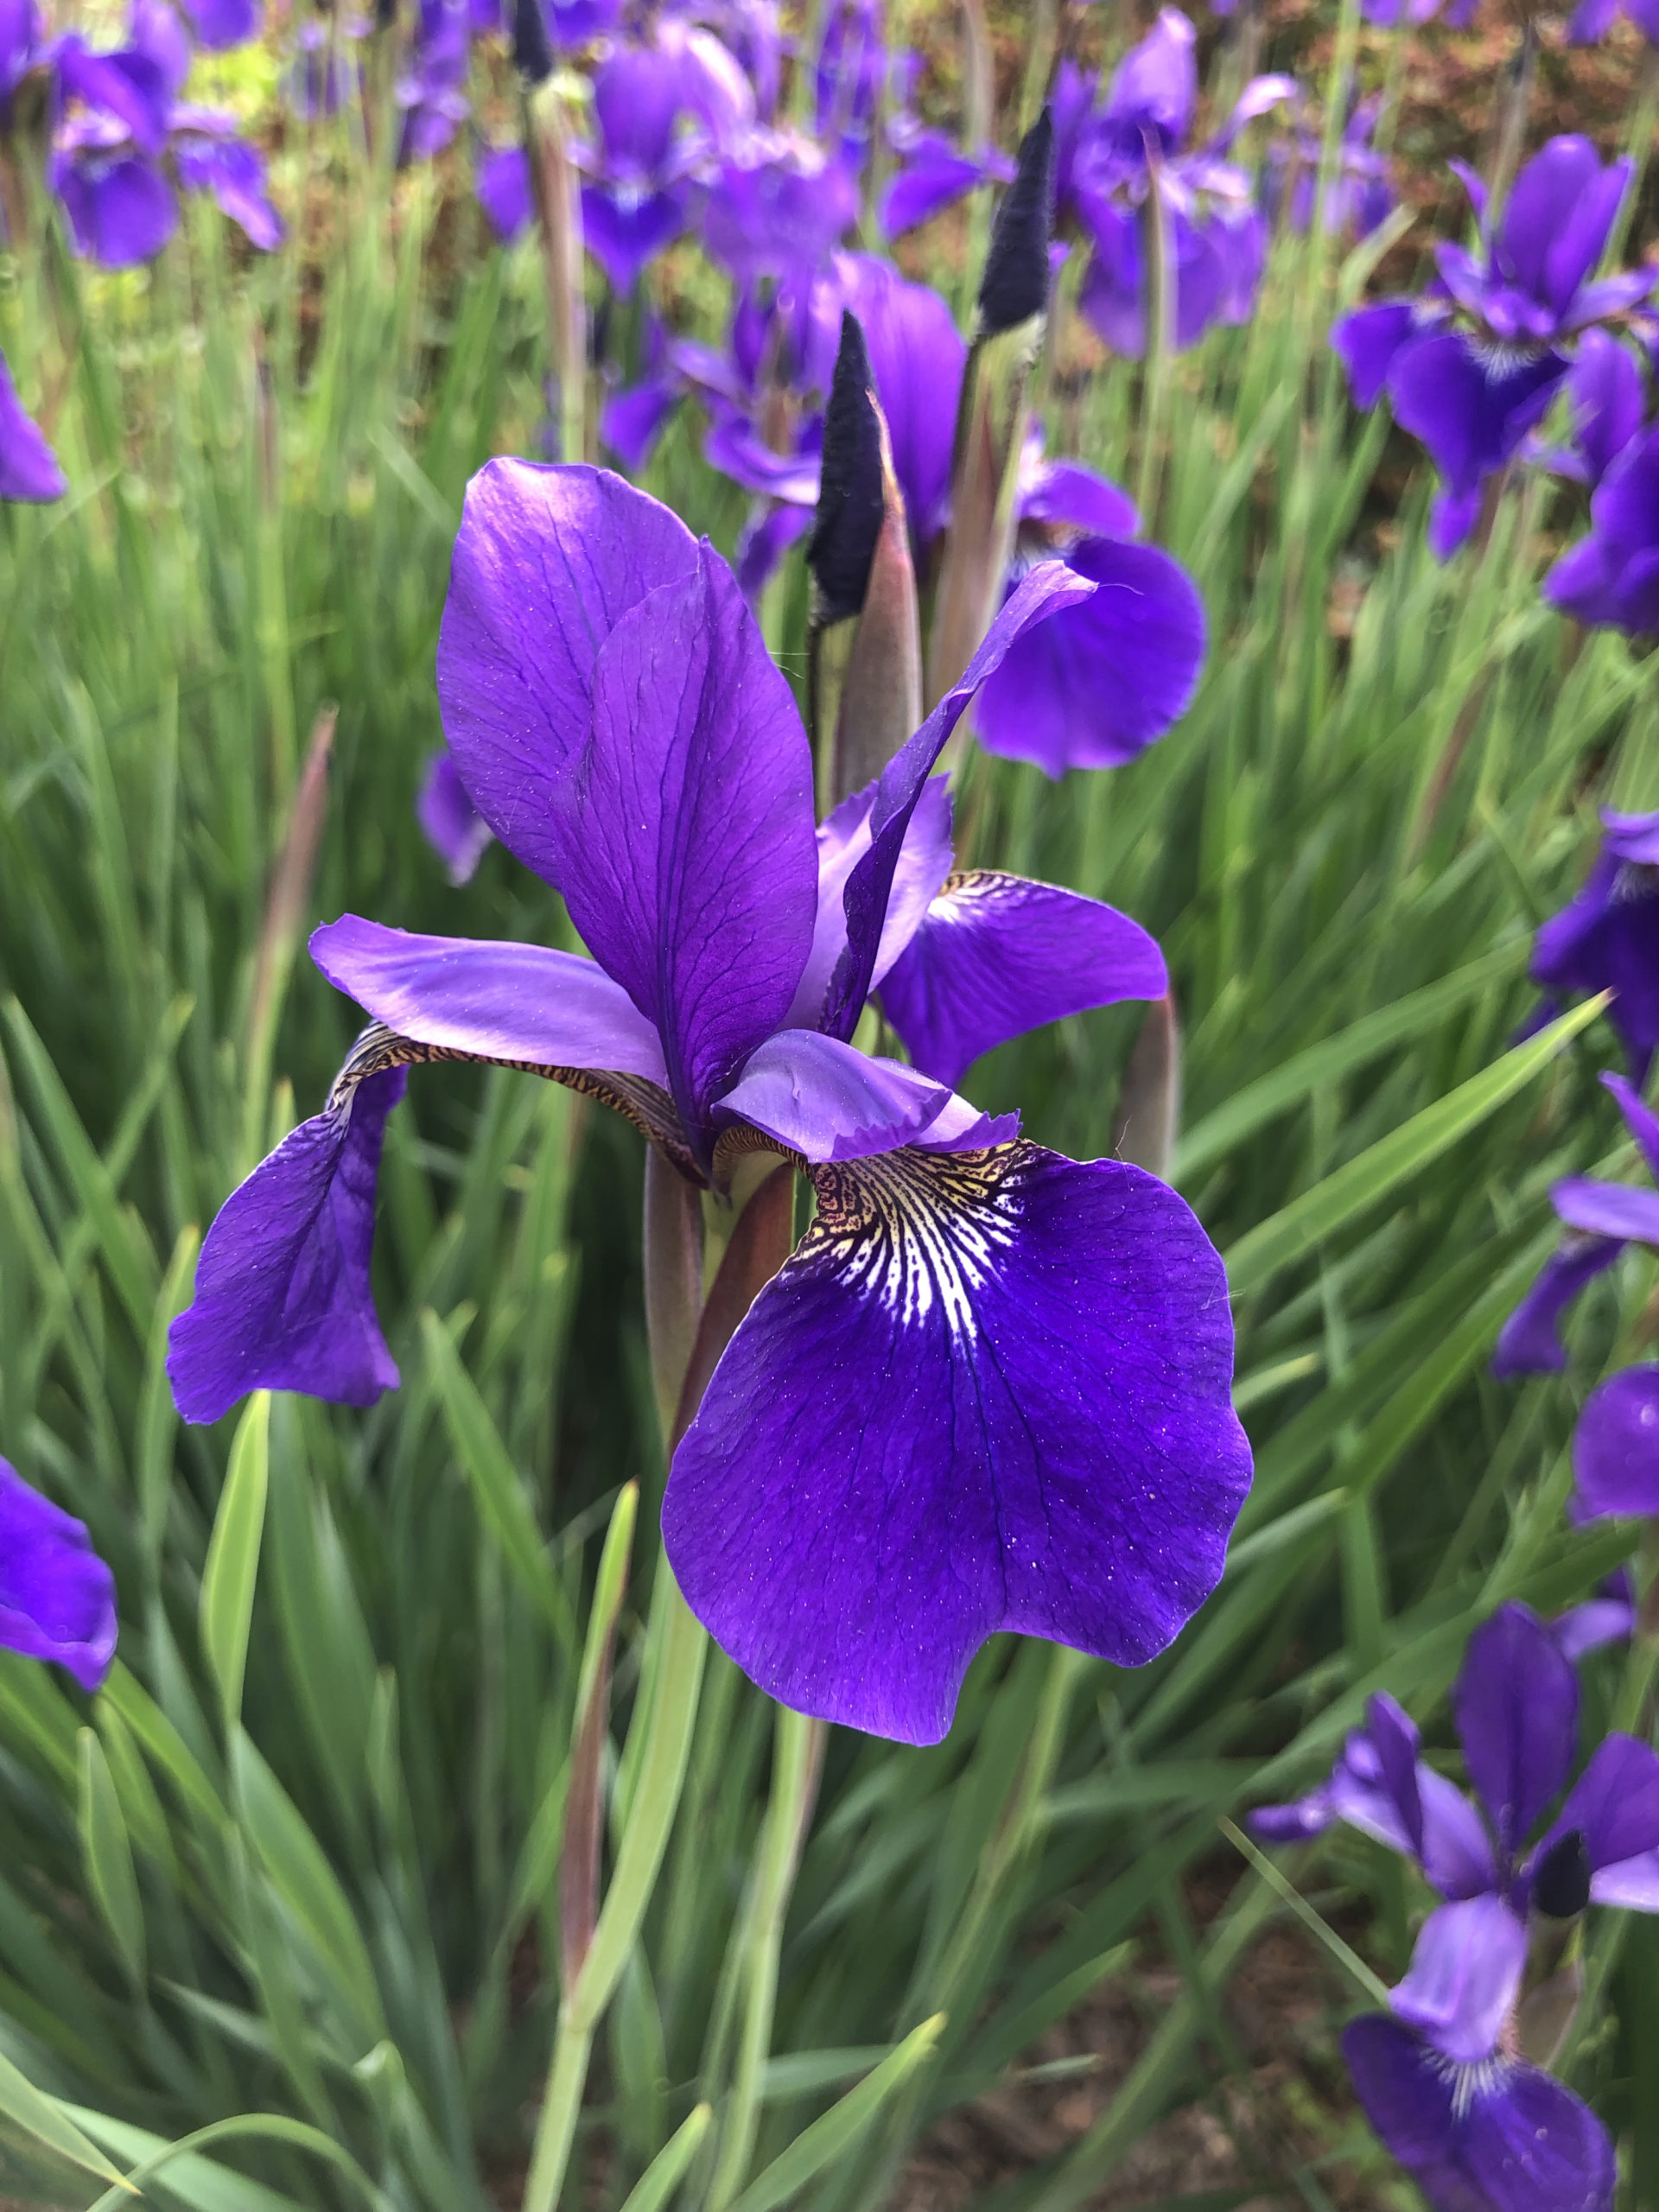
pixel 1464 1977
pixel 990 1391
pixel 57 1597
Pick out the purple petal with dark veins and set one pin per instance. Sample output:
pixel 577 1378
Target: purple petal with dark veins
pixel 449 822
pixel 1517 1705
pixel 997 956
pixel 1616 1448
pixel 283 1298
pixel 548 560
pixel 1464 1977
pixel 29 467
pixel 57 1597
pixel 1047 589
pixel 1529 1342
pixel 684 833
pixel 843 840
pixel 500 1001
pixel 991 1390
pixel 1099 682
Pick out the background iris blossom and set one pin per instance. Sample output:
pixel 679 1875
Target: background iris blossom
pixel 991 1388
pixel 29 467
pixel 57 1597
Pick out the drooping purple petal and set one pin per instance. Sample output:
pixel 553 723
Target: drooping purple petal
pixel 283 1298
pixel 1616 1448
pixel 1068 496
pixel 1639 1117
pixel 1068 1464
pixel 1614 1209
pixel 449 822
pixel 843 840
pixel 626 233
pixel 1464 1977
pixel 1529 1342
pixel 1470 416
pixel 772 527
pixel 129 88
pixel 57 1597
pixel 1605 387
pixel 1517 1704
pixel 997 956
pixel 1366 342
pixel 29 467
pixel 935 176
pixel 498 1000
pixel 1098 683
pixel 632 421
pixel 234 173
pixel 1505 2138
pixel 121 208
pixel 1047 590
pixel 547 562
pixel 503 187
pixel 819 1097
pixel 1608 938
pixel 684 835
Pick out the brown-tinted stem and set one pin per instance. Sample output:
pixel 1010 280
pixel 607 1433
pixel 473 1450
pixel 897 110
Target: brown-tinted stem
pixel 1149 1103
pixel 881 688
pixel 761 1242
pixel 673 1260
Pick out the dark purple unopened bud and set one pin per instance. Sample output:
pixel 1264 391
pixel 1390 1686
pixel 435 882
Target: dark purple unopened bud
pixel 1015 287
pixel 842 545
pixel 1561 1888
pixel 532 56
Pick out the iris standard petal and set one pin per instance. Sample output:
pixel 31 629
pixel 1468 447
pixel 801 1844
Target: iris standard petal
pixel 991 1390
pixel 547 562
pixel 1048 587
pixel 57 1597
pixel 684 832
pixel 29 467
pixel 917 356
pixel 1095 685
pixel 489 1000
pixel 1395 1738
pixel 1538 220
pixel 997 956
pixel 282 1300
pixel 843 840
pixel 1464 1977
pixel 1616 1448
pixel 1517 1705
pixel 813 1094
pixel 1606 389
pixel 1529 1342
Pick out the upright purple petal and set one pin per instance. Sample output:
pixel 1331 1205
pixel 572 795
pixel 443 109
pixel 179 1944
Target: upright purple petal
pixel 684 835
pixel 1098 683
pixel 778 209
pixel 1616 1448
pixel 491 1000
pixel 917 356
pixel 1558 218
pixel 1069 1464
pixel 548 560
pixel 283 1298
pixel 843 840
pixel 1038 595
pixel 1529 1342
pixel 1605 386
pixel 1516 1703
pixel 1155 87
pixel 997 956
pixel 57 1597
pixel 29 467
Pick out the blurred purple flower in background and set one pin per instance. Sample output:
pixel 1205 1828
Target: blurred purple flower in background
pixel 451 824
pixel 1360 198
pixel 1610 578
pixel 57 1597
pixel 1591 20
pixel 1607 939
pixel 1472 365
pixel 29 467
pixel 430 86
pixel 221 23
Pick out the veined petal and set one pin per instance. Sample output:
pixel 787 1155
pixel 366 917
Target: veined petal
pixel 991 1390
pixel 1048 587
pixel 1464 1977
pixel 1529 1342
pixel 283 1298
pixel 813 1094
pixel 997 956
pixel 57 1597
pixel 1616 1448
pixel 547 562
pixel 1098 683
pixel 489 1000
pixel 1517 1705
pixel 684 833
pixel 843 840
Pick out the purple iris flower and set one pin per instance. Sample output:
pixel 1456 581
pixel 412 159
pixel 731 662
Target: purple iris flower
pixel 1610 578
pixel 1360 198
pixel 1107 160
pixel 57 1597
pixel 449 822
pixel 21 49
pixel 991 1389
pixel 1473 366
pixel 1515 1703
pixel 29 467
pixel 1608 938
pixel 932 175
pixel 326 75
pixel 430 87
pixel 1591 20
pixel 1606 402
pixel 778 206
pixel 120 117
pixel 1608 1617
pixel 219 24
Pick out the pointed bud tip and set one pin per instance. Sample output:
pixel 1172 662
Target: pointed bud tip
pixel 531 54
pixel 1015 287
pixel 850 487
